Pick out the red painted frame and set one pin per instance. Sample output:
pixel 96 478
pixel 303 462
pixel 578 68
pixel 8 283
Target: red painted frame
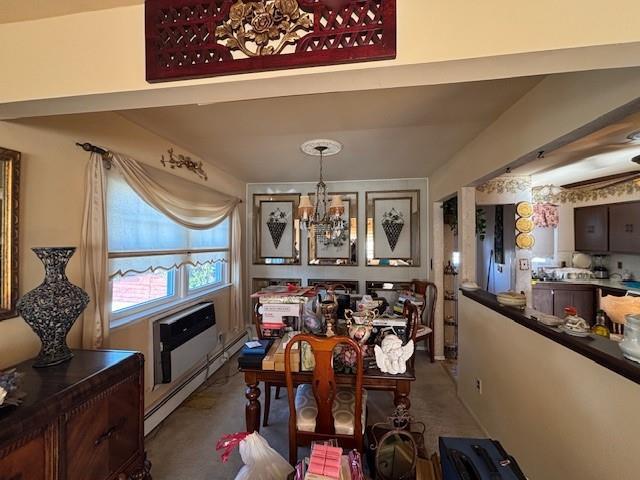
pixel 383 49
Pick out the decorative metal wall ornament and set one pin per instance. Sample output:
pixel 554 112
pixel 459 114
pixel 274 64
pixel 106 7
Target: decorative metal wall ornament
pixel 197 38
pixel 52 308
pixel 182 161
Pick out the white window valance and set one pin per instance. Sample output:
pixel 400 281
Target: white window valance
pixel 142 239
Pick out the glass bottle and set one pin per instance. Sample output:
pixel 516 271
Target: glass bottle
pixel 600 328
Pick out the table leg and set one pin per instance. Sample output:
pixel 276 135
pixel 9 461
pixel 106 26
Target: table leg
pixel 401 395
pixel 252 410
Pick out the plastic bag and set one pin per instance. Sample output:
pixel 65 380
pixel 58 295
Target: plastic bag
pixel 261 462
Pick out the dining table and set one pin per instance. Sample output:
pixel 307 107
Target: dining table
pixel 373 379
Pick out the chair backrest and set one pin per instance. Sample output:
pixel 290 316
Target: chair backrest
pixel 323 380
pixel 430 293
pixel 411 313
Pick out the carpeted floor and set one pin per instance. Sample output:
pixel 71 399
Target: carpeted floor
pixel 183 446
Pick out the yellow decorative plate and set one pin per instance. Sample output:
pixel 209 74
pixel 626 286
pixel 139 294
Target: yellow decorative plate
pixel 525 241
pixel 524 225
pixel 524 209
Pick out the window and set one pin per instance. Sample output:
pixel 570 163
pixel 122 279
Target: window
pixel 155 261
pixel 141 289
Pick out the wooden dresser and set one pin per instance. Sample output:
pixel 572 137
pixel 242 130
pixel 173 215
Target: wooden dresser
pixel 82 420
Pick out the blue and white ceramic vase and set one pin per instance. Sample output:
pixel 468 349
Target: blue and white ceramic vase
pixel 52 308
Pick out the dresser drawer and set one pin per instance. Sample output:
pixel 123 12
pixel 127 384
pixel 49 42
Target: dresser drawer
pixel 26 462
pixel 104 433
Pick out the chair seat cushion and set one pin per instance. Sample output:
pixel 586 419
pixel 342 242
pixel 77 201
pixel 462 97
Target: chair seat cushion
pixel 423 330
pixel 343 410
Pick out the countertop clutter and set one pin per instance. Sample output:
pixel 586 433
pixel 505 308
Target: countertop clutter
pixel 602 351
pixel 633 287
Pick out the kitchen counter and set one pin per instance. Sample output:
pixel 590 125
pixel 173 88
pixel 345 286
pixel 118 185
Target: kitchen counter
pixel 601 350
pixel 605 283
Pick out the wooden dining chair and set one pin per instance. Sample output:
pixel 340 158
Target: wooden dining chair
pixel 427 314
pixel 321 410
pixel 412 314
pixel 267 385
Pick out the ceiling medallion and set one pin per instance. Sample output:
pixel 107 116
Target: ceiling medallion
pixel 330 147
pixel 323 218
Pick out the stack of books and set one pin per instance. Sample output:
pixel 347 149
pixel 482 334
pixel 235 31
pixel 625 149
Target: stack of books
pixel 417 300
pixel 253 353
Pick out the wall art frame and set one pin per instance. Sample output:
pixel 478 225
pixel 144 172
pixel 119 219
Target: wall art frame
pixel 276 229
pixel 393 228
pixel 9 244
pixel 188 39
pixel 345 254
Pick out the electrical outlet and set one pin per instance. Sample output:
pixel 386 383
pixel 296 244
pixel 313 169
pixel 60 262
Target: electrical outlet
pixel 479 385
pixel 619 265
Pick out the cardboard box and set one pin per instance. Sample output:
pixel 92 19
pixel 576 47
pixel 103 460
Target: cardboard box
pixel 295 355
pixel 268 362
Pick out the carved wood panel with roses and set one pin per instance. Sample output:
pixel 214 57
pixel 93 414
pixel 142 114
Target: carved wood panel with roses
pixel 190 38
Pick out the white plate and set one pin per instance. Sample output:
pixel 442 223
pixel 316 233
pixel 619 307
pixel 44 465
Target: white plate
pixel 574 333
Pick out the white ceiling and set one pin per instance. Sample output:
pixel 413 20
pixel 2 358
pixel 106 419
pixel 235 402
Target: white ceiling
pixel 600 154
pixel 22 10
pixel 395 133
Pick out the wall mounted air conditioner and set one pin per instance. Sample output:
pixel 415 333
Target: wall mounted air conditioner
pixel 183 340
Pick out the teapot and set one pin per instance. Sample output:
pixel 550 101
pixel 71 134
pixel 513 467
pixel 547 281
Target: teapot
pixel 360 324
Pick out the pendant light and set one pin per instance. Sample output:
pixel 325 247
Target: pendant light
pixel 323 217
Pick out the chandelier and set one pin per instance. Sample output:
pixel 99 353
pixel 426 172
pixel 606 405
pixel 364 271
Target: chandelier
pixel 323 218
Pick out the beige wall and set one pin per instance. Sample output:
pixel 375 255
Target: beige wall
pixel 561 415
pixel 98 57
pixel 52 193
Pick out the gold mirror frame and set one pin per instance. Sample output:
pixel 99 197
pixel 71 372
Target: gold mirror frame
pixel 9 201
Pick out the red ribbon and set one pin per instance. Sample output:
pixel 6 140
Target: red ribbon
pixel 228 443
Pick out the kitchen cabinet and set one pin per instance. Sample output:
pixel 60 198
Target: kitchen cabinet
pixel 591 227
pixel 624 227
pixel 552 298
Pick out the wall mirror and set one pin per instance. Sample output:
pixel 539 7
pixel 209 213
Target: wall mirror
pixel 343 250
pixel 393 228
pixel 9 198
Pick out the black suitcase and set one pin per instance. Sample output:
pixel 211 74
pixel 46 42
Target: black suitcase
pixel 477 459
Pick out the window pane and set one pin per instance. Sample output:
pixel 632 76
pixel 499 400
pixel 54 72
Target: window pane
pixel 134 290
pixel 206 275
